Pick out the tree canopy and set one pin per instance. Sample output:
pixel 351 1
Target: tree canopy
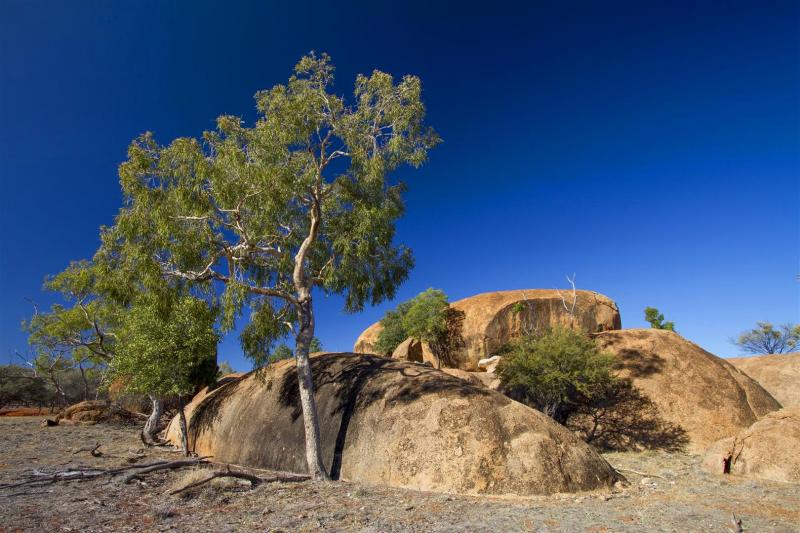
pixel 265 214
pixel 168 347
pixel 656 319
pixel 302 195
pixel 766 338
pixel 423 318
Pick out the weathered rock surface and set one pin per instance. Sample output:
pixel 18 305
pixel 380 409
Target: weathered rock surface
pixel 387 422
pixel 368 339
pixel 701 393
pixel 414 351
pixel 779 374
pixel 490 320
pixel 766 450
pixel 93 411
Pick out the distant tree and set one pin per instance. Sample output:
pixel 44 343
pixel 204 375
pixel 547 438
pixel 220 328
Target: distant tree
pixel 301 200
pixel 283 351
pixel 766 338
pixel 656 319
pixel 21 386
pixel 166 348
pixel 557 372
pixel 223 369
pixel 423 318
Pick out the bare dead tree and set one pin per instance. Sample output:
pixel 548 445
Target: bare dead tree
pixel 570 308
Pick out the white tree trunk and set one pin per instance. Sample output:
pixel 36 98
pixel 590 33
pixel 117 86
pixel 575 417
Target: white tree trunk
pixel 184 431
pixel 151 426
pixel 316 467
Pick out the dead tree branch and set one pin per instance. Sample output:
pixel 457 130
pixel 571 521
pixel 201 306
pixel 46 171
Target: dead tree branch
pixel 253 479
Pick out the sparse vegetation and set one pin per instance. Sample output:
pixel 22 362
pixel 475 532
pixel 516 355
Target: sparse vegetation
pixel 766 338
pixel 656 319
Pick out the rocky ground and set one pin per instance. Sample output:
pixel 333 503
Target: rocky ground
pixel 673 495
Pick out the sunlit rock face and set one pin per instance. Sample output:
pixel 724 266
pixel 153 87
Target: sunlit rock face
pixel 393 423
pixel 487 321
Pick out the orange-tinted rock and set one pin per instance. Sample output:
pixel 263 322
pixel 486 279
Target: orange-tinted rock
pixel 701 393
pixel 393 423
pixel 779 374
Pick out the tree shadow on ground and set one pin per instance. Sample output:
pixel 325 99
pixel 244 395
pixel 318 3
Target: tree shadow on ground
pixel 627 420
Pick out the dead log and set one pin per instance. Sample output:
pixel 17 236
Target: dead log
pixel 41 478
pixel 253 479
pixel 164 466
pixel 92 451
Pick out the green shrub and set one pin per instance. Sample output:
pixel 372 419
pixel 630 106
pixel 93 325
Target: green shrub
pixel 557 372
pixel 423 317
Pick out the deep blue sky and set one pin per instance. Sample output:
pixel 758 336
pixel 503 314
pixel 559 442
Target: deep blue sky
pixel 652 148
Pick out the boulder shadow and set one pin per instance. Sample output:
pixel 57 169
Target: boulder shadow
pixel 627 420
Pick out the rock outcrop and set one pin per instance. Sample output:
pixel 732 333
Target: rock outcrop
pixel 94 411
pixel 766 450
pixel 392 423
pixel 489 320
pixel 692 389
pixel 779 374
pixel 414 351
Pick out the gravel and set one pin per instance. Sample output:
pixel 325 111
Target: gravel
pixel 674 495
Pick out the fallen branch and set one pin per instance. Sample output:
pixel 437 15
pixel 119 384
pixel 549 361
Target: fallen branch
pixel 643 474
pixel 737 524
pixel 165 466
pixel 253 479
pixel 92 451
pixel 40 478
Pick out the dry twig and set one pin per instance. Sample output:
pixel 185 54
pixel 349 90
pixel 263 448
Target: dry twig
pixel 643 474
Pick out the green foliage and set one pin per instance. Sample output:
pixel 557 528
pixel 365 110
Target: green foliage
pixel 79 327
pixel 656 319
pixel 284 351
pixel 766 338
pixel 166 348
pixel 301 199
pixel 557 372
pixel 423 317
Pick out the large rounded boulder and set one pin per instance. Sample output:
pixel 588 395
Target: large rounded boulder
pixel 765 450
pixel 779 374
pixel 393 423
pixel 488 321
pixel 692 389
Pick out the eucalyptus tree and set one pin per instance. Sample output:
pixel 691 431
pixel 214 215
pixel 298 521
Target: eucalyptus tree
pixel 168 347
pixel 78 332
pixel 101 300
pixel 301 200
pixel 769 339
